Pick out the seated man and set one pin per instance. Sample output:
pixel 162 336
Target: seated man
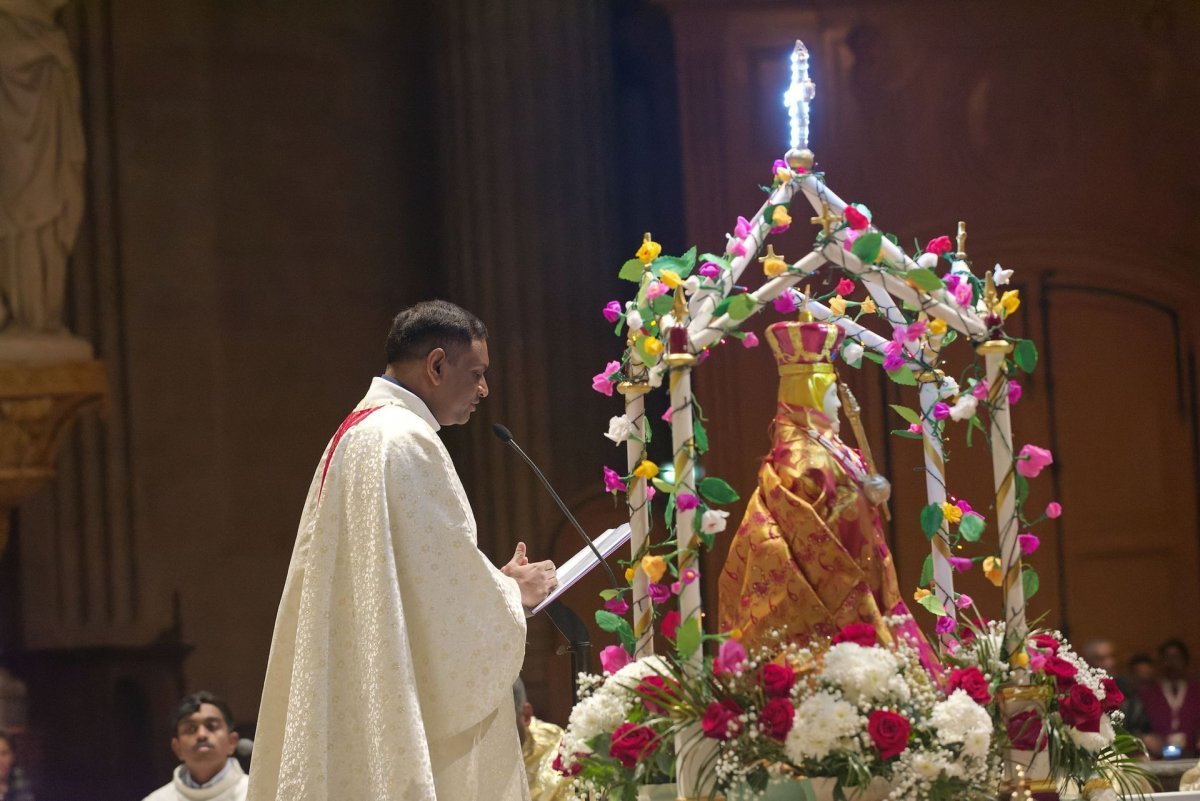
pixel 539 747
pixel 204 742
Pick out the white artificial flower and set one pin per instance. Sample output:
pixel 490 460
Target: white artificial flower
pixel 1000 276
pixel 713 521
pixel 692 284
pixel 958 267
pixel 1103 794
pixel 1093 741
pixel 655 375
pixel 852 353
pixel 620 429
pixel 634 320
pixel 823 722
pixel 958 718
pixel 947 388
pixel 927 260
pixel 864 674
pixel 608 706
pixel 964 409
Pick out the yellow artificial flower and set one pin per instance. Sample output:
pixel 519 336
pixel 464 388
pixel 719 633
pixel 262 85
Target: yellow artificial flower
pixel 868 306
pixel 951 512
pixel 1010 301
pixel 736 634
pixel 653 567
pixel 653 346
pixel 937 328
pixel 783 175
pixel 629 571
pixel 649 250
pixel 921 593
pixel 837 304
pixel 670 278
pixel 1019 660
pixel 991 569
pixel 774 267
pixel 780 217
pixel 647 469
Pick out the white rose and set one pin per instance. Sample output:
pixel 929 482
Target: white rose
pixel 1000 276
pixel 965 408
pixel 633 320
pixel 692 284
pixel 713 521
pixel 948 388
pixel 852 353
pixel 927 260
pixel 620 428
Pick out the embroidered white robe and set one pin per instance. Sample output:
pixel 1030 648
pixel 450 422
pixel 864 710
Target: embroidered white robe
pixel 397 642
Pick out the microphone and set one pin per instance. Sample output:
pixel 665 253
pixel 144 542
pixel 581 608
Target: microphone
pixel 507 438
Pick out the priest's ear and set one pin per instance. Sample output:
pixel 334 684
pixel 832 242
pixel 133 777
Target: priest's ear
pixel 435 365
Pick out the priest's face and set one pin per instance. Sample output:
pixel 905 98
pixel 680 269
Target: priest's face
pixel 203 742
pixel 463 384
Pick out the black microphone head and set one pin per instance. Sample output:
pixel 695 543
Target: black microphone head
pixel 502 432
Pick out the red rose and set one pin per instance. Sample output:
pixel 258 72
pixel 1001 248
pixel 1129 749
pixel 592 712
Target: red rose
pixel 777 680
pixel 861 633
pixel 972 682
pixel 1081 709
pixel 1062 671
pixel 721 720
pixel 631 742
pixel 1024 730
pixel 889 732
pixel 776 718
pixel 1046 642
pixel 654 691
pixel 856 219
pixel 940 245
pixel 670 623
pixel 1113 697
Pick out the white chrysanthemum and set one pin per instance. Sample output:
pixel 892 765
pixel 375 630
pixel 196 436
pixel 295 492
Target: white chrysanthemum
pixel 865 674
pixel 958 717
pixel 1093 741
pixel 976 743
pixel 823 723
pixel 609 705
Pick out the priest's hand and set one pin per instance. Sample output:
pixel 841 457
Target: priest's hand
pixel 536 580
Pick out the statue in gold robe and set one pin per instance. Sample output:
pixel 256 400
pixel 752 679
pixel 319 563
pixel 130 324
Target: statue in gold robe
pixel 809 557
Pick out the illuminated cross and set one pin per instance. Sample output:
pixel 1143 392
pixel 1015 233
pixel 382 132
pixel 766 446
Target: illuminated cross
pixel 826 218
pixel 800 93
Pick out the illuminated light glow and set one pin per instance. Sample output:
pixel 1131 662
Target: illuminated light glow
pixel 798 96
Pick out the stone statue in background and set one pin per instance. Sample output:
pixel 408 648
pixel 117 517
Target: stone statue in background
pixel 41 166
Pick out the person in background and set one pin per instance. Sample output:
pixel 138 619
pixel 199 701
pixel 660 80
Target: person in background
pixel 539 747
pixel 1142 671
pixel 1173 702
pixel 1101 653
pixel 204 742
pixel 13 785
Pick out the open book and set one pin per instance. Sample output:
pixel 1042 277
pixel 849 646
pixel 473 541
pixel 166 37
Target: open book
pixel 585 561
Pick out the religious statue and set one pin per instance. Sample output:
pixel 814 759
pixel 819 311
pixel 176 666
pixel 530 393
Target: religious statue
pixel 41 165
pixel 809 557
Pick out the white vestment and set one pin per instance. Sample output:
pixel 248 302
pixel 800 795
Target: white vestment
pixel 397 642
pixel 231 787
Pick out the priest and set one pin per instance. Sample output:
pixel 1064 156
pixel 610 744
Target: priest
pixel 397 642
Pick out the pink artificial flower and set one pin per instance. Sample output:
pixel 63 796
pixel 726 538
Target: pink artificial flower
pixel 960 563
pixel 966 507
pixel 656 289
pixel 730 657
pixel 914 428
pixel 688 575
pixel 676 587
pixel 1028 543
pixel 915 331
pixel 845 287
pixel 618 606
pixel 666 416
pixel 1053 510
pixel 941 410
pixel 742 229
pixel 612 481
pixel 963 294
pixel 658 593
pixel 750 340
pixel 613 658
pixel 980 390
pixel 779 164
pixel 738 248
pixel 940 245
pixel 944 625
pixel 851 235
pixel 602 382
pixel 703 355
pixel 855 219
pixel 612 311
pixel 952 281
pixel 963 600
pixel 895 347
pixel 1014 393
pixel 710 270
pixel 785 303
pixel 893 362
pixel 686 501
pixel 1037 660
pixel 650 492
pixel 670 623
pixel 1032 460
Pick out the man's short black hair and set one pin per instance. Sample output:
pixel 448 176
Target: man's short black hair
pixel 192 703
pixel 1177 645
pixel 432 324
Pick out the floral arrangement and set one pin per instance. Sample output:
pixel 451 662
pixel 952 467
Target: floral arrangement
pixel 854 711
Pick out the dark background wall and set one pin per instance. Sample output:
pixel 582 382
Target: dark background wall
pixel 269 183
